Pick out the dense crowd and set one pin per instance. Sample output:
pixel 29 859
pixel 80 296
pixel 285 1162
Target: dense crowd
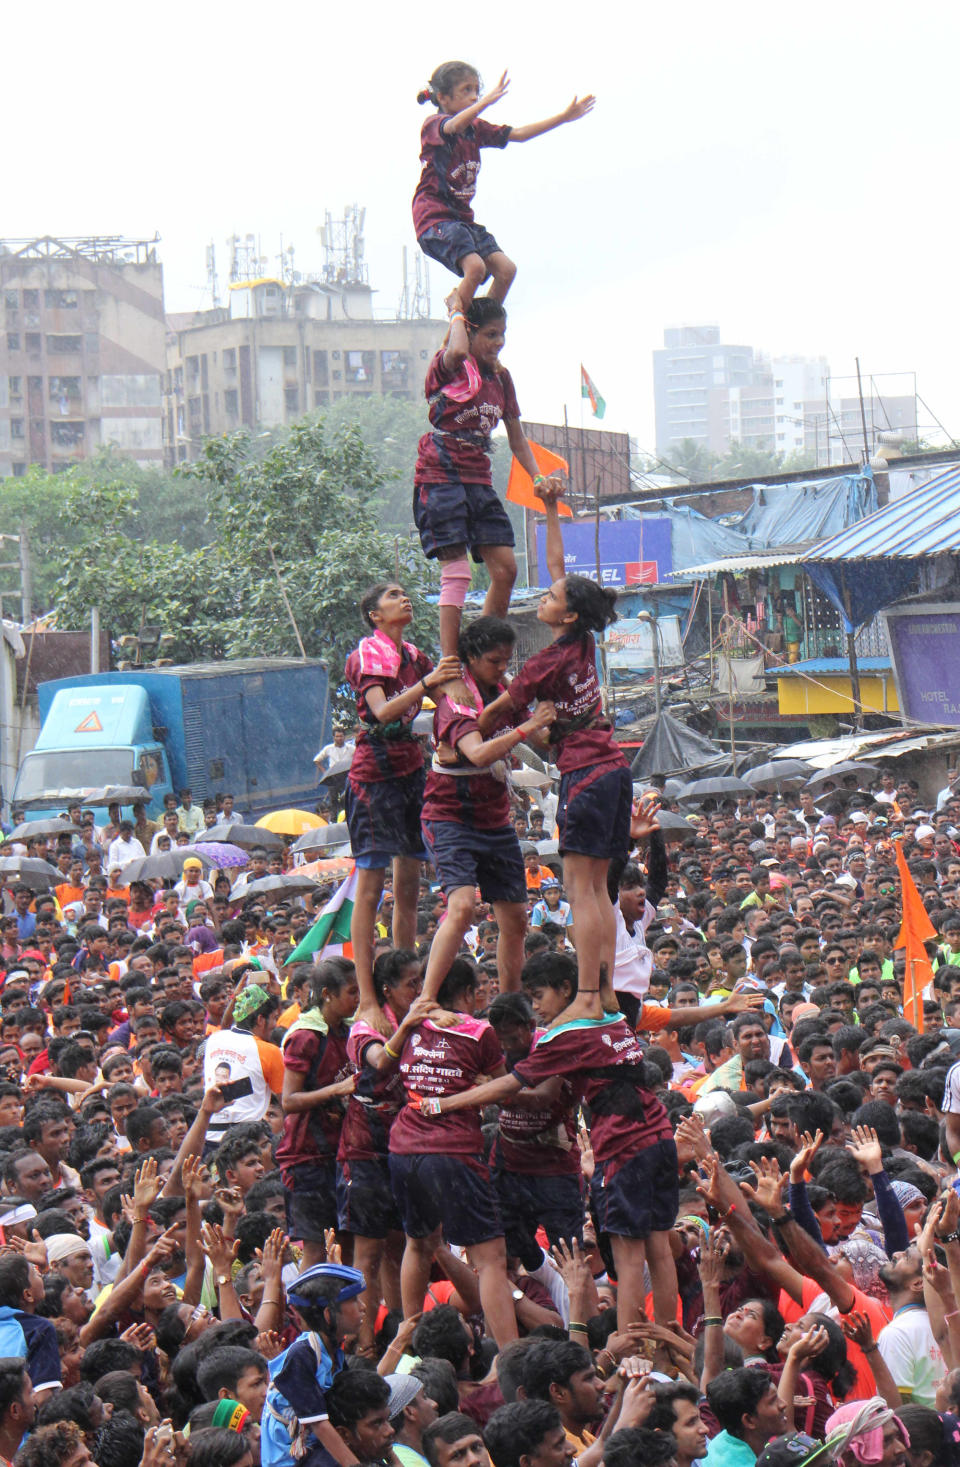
pixel 242 1225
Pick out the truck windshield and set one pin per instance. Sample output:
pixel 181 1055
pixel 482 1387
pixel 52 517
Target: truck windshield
pixel 52 771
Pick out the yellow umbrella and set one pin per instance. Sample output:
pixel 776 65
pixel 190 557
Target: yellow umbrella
pixel 290 822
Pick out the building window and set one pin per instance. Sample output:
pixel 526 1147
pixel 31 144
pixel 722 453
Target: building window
pixel 289 356
pixel 360 366
pixel 61 387
pixel 13 341
pixel 231 402
pixel 16 386
pixel 35 384
pixel 31 300
pixel 16 427
pixel 11 299
pixel 394 367
pixel 65 345
pixel 66 435
pixel 291 399
pixel 61 300
pixel 230 360
pixel 34 341
pixel 19 470
pixel 320 377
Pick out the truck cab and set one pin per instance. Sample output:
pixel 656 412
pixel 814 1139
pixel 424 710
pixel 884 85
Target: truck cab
pixel 93 735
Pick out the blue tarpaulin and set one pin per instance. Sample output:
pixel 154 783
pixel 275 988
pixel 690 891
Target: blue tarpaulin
pixel 870 586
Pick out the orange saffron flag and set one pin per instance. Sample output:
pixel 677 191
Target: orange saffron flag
pixel 914 931
pixel 520 488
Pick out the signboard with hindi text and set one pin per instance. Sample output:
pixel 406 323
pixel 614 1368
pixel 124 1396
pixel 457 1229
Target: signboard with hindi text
pixel 925 643
pixel 629 644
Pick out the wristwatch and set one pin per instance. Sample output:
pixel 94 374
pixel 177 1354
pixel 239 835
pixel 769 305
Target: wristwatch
pixel 517 1294
pixel 222 1278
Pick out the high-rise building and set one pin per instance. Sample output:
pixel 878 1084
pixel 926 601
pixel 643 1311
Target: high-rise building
pixel 82 348
pixel 692 364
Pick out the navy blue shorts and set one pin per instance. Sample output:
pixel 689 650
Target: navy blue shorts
pixel 365 1202
pixel 529 1202
pixel 634 1198
pixel 311 1199
pixel 383 816
pixel 459 514
pixel 489 859
pixel 454 1193
pixel 593 816
pixel 449 241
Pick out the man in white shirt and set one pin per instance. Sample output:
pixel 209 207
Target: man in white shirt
pixel 192 887
pixel 125 847
pixel 189 815
pixel 634 911
pixel 911 1351
pixel 170 828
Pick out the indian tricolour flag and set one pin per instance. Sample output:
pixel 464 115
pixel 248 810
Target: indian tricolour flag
pixel 588 389
pixel 330 934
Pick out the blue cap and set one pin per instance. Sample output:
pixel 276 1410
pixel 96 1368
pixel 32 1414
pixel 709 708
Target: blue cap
pixel 351 1281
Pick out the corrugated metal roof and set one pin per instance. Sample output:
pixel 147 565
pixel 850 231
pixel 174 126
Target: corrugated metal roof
pixel 837 666
pixel 924 522
pixel 753 560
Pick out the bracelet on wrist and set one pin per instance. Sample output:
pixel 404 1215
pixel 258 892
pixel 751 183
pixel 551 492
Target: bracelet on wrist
pixel 392 1053
pixel 575 1327
pixel 712 1319
pixel 538 479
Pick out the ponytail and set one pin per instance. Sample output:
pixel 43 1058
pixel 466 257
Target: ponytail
pixel 444 79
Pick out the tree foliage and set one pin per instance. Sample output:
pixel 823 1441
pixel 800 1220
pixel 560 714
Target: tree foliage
pixel 701 465
pixel 302 510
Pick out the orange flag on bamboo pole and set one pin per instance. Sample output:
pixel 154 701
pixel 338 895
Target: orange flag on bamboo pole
pixel 520 488
pixel 915 929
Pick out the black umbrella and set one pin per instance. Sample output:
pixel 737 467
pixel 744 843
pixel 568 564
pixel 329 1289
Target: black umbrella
pixel 117 794
pixel 30 829
pixel 322 838
pixel 287 884
pixel 779 774
pixel 235 833
pixel 164 866
pixel 837 771
pixel 38 875
pixel 674 827
pixel 716 787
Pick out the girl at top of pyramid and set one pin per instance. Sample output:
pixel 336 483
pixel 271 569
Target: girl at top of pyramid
pixel 450 143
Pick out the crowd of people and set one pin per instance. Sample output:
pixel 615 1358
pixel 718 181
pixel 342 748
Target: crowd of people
pixel 251 1214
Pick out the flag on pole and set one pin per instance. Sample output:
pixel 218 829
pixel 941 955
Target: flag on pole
pixel 588 389
pixel 332 927
pixel 520 488
pixel 915 929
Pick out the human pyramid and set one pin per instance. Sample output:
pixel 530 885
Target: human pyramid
pixel 457 813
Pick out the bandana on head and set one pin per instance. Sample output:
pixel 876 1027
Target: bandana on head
pixel 252 998
pixel 230 1415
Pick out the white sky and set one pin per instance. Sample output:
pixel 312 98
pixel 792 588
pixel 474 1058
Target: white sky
pixel 784 170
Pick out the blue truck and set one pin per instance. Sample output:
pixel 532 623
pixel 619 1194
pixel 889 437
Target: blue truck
pixel 249 727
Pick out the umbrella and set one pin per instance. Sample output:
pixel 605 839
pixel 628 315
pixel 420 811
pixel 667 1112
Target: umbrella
pixel 39 875
pixel 117 794
pixel 342 765
pixel 528 778
pixel 715 787
pixel 672 788
pixel 292 883
pixel 779 774
pixel 235 833
pixel 221 854
pixel 674 827
pixel 422 725
pixel 837 771
pixel 336 868
pixel 32 828
pixel 164 866
pixel 323 837
pixel 290 822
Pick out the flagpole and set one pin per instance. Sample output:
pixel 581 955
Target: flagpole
pixel 566 448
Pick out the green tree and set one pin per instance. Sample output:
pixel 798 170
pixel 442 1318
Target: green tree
pixel 300 511
pixel 693 461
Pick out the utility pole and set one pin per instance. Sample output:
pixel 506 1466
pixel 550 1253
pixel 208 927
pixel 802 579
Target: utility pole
pixel 26 579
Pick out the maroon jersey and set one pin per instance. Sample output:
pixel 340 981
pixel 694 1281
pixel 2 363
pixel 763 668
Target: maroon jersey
pixel 314 1135
pixel 444 1062
pixel 625 1118
pixel 451 162
pixel 480 800
pixel 458 449
pixel 385 750
pixel 374 1105
pixel 565 673
pixel 540 1140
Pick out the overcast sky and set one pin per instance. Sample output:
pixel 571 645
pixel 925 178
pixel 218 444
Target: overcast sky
pixel 785 171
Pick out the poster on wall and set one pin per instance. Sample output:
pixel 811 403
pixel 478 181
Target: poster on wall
pixel 925 644
pixel 632 552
